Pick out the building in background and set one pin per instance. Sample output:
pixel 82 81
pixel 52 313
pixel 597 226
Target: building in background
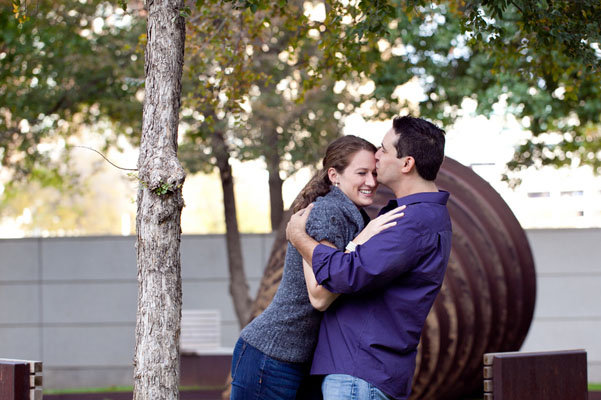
pixel 550 197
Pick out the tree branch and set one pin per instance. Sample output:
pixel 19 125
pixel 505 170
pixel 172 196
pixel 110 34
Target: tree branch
pixel 107 160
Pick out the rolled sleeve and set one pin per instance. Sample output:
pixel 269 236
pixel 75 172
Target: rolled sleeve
pixel 321 257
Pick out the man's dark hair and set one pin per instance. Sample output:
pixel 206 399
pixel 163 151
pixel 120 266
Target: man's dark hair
pixel 421 140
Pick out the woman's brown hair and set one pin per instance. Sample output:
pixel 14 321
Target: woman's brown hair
pixel 338 156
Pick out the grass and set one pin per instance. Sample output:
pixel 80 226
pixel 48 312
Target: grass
pixel 111 389
pixel 594 387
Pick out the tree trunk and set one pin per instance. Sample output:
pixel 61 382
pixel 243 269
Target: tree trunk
pixel 238 283
pixel 276 201
pixel 272 275
pixel 160 202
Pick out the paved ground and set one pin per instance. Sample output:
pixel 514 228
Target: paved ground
pixel 594 395
pixel 187 395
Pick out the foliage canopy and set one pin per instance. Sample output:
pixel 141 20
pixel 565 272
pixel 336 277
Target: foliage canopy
pixel 537 60
pixel 63 65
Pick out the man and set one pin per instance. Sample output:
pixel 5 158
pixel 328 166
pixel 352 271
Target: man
pixel 368 339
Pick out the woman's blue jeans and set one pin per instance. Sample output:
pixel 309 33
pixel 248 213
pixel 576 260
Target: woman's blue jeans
pixel 258 376
pixel 347 387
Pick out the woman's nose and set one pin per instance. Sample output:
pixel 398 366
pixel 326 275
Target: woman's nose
pixel 371 180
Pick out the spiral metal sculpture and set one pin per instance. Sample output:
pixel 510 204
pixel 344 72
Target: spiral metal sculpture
pixel 487 298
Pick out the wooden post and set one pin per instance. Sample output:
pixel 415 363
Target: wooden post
pixel 535 376
pixel 20 379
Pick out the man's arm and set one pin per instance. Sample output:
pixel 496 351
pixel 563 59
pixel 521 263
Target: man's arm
pixel 375 263
pixel 333 266
pixel 296 232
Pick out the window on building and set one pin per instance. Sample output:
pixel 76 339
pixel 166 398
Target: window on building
pixel 539 194
pixel 572 193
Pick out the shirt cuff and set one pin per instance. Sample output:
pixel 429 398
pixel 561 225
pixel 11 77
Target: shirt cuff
pixel 321 256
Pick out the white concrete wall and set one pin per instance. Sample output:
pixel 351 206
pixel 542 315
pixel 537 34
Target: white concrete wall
pixel 567 314
pixel 71 302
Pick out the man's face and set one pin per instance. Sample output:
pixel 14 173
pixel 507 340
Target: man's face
pixel 388 165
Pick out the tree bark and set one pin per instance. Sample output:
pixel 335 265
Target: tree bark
pixel 160 202
pixel 238 283
pixel 276 202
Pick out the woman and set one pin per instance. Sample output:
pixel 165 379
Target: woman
pixel 273 355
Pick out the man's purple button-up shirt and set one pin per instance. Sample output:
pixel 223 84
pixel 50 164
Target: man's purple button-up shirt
pixel 390 284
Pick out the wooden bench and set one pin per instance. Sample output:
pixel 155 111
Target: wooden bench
pixel 536 376
pixel 204 362
pixel 201 332
pixel 20 379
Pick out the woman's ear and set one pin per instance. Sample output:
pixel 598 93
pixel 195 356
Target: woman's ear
pixel 333 176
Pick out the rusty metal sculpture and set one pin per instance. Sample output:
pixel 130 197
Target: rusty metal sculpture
pixel 487 298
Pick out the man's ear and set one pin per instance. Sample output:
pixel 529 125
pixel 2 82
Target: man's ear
pixel 408 164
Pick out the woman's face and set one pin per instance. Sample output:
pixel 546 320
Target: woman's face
pixel 358 180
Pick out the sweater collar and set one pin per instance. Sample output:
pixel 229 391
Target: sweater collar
pixel 350 209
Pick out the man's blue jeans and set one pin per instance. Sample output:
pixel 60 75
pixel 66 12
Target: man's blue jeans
pixel 255 375
pixel 347 387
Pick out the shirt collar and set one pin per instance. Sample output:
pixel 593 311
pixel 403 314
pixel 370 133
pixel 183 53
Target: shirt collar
pixel 439 197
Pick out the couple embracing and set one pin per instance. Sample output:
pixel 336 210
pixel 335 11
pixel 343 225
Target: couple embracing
pixel 348 314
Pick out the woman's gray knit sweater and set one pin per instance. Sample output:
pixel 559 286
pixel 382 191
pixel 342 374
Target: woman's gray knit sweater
pixel 287 330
